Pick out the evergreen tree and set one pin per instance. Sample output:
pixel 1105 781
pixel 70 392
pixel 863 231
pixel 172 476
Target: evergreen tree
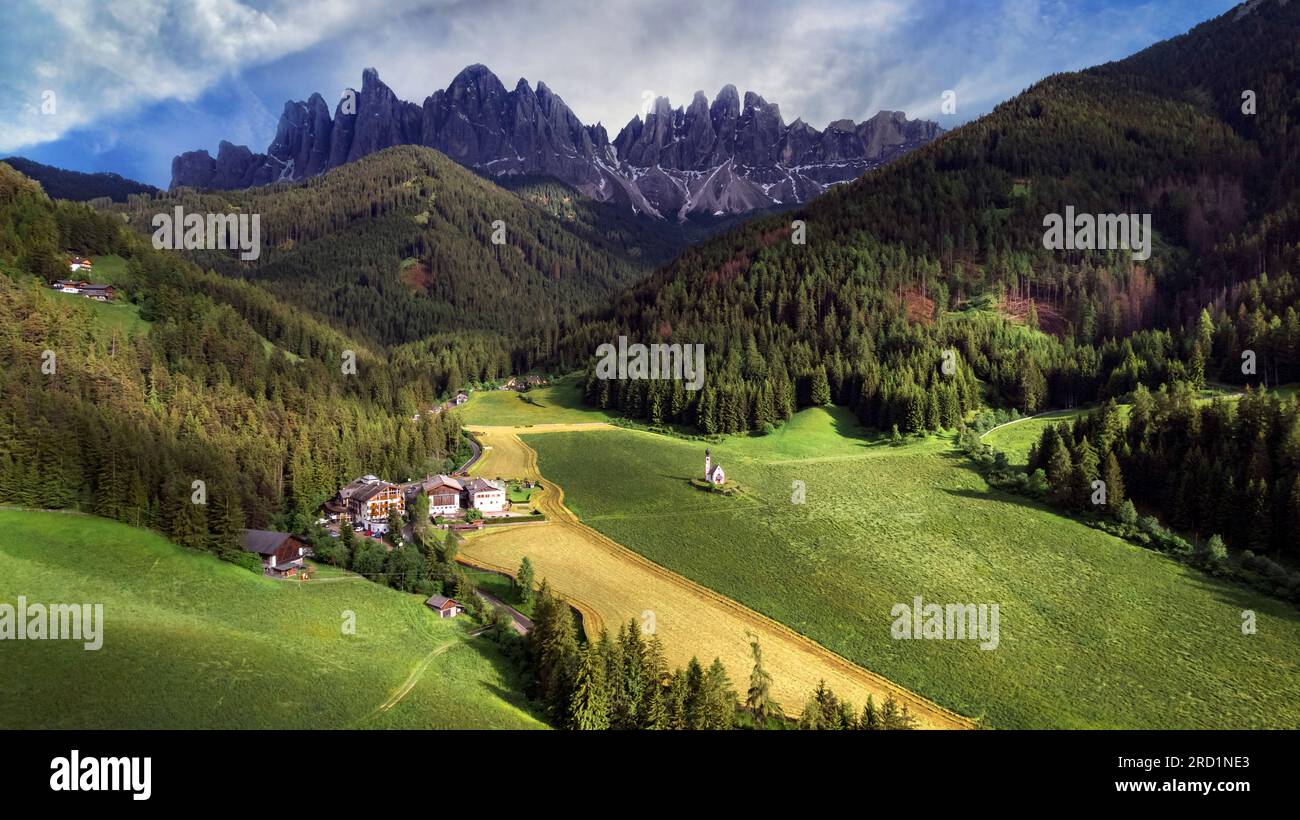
pixel 589 704
pixel 870 718
pixel 820 391
pixel 1114 479
pixel 718 701
pixel 758 698
pixel 524 581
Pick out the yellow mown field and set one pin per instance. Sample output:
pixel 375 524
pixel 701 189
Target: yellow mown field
pixel 609 584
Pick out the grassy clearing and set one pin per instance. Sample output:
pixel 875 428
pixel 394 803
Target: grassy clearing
pixel 119 315
pixel 1016 438
pixel 556 403
pixel 1094 632
pixel 108 268
pixel 193 642
pixel 269 348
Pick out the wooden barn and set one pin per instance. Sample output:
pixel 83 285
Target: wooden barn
pixel 282 554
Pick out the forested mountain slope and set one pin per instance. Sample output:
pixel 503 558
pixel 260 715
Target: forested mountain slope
pixel 405 243
pixel 958 226
pixel 78 186
pixel 123 424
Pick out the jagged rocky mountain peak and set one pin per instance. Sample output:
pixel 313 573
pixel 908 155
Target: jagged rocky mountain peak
pixel 719 157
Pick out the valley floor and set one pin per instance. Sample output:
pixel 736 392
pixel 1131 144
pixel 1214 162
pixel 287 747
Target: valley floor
pixel 1095 632
pixel 609 584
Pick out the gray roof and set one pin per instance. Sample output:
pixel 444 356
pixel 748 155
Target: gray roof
pixel 262 542
pixel 440 601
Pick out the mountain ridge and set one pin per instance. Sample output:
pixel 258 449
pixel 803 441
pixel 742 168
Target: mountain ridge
pixel 78 186
pixel 720 158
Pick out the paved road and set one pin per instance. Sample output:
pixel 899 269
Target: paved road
pixel 522 624
pixel 478 453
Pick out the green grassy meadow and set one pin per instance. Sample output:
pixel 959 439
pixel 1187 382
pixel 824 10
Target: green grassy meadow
pixel 557 403
pixel 1094 632
pixel 119 315
pixel 1015 439
pixel 194 642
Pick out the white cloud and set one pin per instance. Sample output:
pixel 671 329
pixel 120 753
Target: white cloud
pixel 103 59
pixel 820 60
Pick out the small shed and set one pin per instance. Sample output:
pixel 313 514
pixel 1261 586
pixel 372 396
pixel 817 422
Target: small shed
pixel 444 606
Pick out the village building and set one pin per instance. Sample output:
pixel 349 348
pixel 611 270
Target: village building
pixel 444 606
pixel 486 496
pixel 461 398
pixel 282 554
pixel 367 501
pixel 713 473
pixel 444 494
pixel 100 293
pixel 79 263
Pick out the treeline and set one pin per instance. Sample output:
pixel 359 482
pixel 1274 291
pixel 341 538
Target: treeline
pixel 623 682
pixel 99 417
pixel 1225 472
pixel 77 186
pixel 1230 468
pixel 919 375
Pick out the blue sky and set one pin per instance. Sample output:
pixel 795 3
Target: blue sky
pixel 135 82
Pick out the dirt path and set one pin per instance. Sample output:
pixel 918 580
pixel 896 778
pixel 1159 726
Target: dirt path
pixel 610 584
pixel 414 678
pixel 1022 418
pixel 418 672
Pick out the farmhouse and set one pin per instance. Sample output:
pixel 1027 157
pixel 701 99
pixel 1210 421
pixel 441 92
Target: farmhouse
pixel 485 496
pixel 444 494
pixel 100 293
pixel 461 398
pixel 445 607
pixel 713 473
pixel 281 552
pixel 367 501
pixel 77 263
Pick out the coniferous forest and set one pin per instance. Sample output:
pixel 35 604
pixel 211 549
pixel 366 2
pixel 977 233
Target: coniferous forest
pixel 227 386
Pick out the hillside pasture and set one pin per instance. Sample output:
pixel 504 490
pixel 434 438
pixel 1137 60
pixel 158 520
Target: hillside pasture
pixel 556 403
pixel 194 642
